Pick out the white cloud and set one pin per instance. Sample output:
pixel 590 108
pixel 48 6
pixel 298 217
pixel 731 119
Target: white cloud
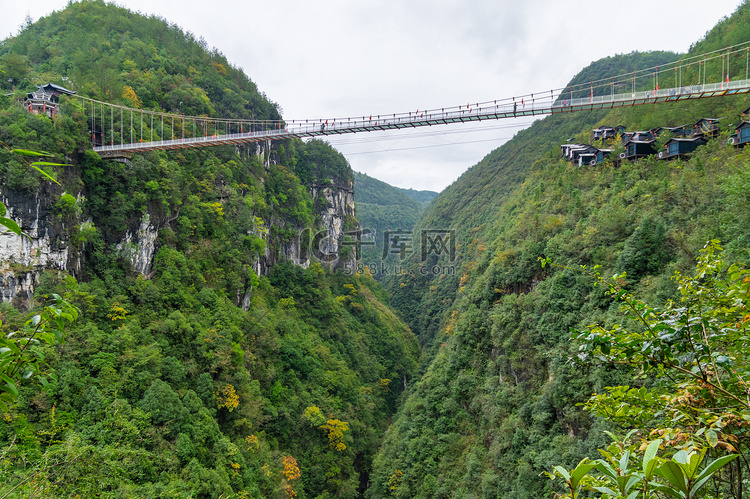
pixel 342 58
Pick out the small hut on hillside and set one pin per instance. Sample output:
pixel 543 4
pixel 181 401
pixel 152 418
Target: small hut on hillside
pixel 741 135
pixel 638 148
pixel 706 126
pixel 679 147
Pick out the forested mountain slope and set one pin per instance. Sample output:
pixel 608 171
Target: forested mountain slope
pixel 496 405
pixel 422 197
pixel 380 208
pixel 213 356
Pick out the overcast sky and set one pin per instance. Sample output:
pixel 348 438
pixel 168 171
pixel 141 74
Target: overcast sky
pixel 327 59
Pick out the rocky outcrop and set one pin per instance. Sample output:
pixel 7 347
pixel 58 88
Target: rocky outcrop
pixel 326 244
pixel 139 247
pixel 44 245
pixel 334 244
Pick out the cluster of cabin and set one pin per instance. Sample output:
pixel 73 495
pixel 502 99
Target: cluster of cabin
pixel 46 99
pixel 685 139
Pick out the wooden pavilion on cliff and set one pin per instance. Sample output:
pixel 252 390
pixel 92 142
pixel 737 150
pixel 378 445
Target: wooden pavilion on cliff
pixel 46 99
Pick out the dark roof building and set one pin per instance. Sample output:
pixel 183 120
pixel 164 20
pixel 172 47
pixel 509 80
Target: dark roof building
pixel 583 154
pixel 643 136
pixel 706 126
pixel 594 157
pixel 606 132
pixel 46 99
pixel 741 135
pixel 678 147
pixel 677 131
pixel 573 151
pixel 639 148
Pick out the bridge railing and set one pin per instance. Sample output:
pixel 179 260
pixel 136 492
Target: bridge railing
pixel 661 94
pixel 544 104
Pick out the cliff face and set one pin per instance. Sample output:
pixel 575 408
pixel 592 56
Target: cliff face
pixel 48 243
pixel 139 247
pixel 338 210
pixel 325 243
pixel 23 258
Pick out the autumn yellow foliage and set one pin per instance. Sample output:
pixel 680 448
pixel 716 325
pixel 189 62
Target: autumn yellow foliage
pixel 253 444
pixel 227 397
pixel 291 474
pixel 129 95
pixel 335 430
pixel 117 314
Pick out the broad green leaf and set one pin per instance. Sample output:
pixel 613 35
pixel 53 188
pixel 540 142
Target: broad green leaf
pixel 706 474
pixel 673 473
pixel 649 458
pixel 681 457
pixel 713 439
pixel 634 480
pixel 26 152
pixel 606 490
pixel 624 460
pixel 12 346
pixel 11 388
pixel 46 163
pixel 11 225
pixel 45 174
pixel 607 470
pixel 694 462
pixel 580 471
pixel 668 491
pixel 563 472
pixel 6 378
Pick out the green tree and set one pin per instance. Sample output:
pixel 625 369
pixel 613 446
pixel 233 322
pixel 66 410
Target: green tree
pixel 18 357
pixel 21 355
pixel 695 352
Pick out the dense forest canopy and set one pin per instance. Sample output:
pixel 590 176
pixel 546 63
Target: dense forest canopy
pixel 221 367
pixel 495 406
pixel 227 364
pixel 106 52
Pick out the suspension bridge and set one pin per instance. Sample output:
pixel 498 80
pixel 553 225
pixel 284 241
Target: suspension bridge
pixel 149 130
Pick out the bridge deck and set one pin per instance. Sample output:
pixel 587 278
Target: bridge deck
pixel 488 111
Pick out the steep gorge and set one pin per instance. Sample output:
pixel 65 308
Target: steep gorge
pixel 498 399
pixel 218 354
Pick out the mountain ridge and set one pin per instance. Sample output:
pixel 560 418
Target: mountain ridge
pixel 216 353
pixel 494 406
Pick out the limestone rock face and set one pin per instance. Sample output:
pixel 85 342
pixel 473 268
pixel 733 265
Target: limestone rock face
pixel 23 258
pixel 140 247
pixel 47 246
pixel 325 243
pixel 339 205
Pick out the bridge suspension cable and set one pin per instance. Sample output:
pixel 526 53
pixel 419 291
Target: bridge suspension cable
pixel 685 79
